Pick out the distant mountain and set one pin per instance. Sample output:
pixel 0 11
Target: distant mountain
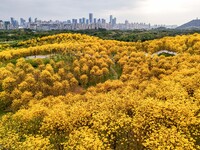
pixel 194 24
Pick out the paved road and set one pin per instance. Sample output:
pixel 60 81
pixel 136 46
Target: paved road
pixel 38 56
pixel 47 56
pixel 165 51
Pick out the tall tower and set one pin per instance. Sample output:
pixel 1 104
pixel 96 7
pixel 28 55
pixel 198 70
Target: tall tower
pixel 111 19
pixel 29 20
pixel 90 18
pixel 12 20
pixel 22 22
pixel 84 20
pixel 114 21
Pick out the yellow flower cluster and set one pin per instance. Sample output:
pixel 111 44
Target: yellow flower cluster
pixel 100 94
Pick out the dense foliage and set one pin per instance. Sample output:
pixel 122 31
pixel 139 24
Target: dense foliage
pixel 73 91
pixel 12 36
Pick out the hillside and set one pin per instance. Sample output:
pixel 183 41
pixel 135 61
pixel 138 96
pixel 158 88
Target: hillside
pixel 14 36
pixel 194 24
pixel 74 91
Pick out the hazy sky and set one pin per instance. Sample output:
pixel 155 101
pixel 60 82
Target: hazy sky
pixel 148 11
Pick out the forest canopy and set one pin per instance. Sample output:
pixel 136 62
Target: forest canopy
pixel 74 91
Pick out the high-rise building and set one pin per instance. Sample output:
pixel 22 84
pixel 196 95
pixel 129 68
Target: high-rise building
pixel 74 21
pixel 83 20
pixel 69 22
pixel 111 19
pixel 1 24
pixel 29 20
pixel 95 20
pixel 87 21
pixel 103 21
pixel 14 23
pixel 90 18
pixel 12 20
pixel 99 21
pixel 126 22
pixel 80 21
pixel 22 22
pixel 7 25
pixel 114 21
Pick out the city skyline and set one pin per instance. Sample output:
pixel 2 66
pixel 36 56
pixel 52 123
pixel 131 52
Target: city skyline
pixel 83 23
pixel 91 18
pixel 149 11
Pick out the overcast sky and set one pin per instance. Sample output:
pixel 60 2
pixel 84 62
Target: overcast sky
pixel 149 11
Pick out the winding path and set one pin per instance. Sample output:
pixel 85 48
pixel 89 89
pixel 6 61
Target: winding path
pixel 48 56
pixel 37 56
pixel 165 51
